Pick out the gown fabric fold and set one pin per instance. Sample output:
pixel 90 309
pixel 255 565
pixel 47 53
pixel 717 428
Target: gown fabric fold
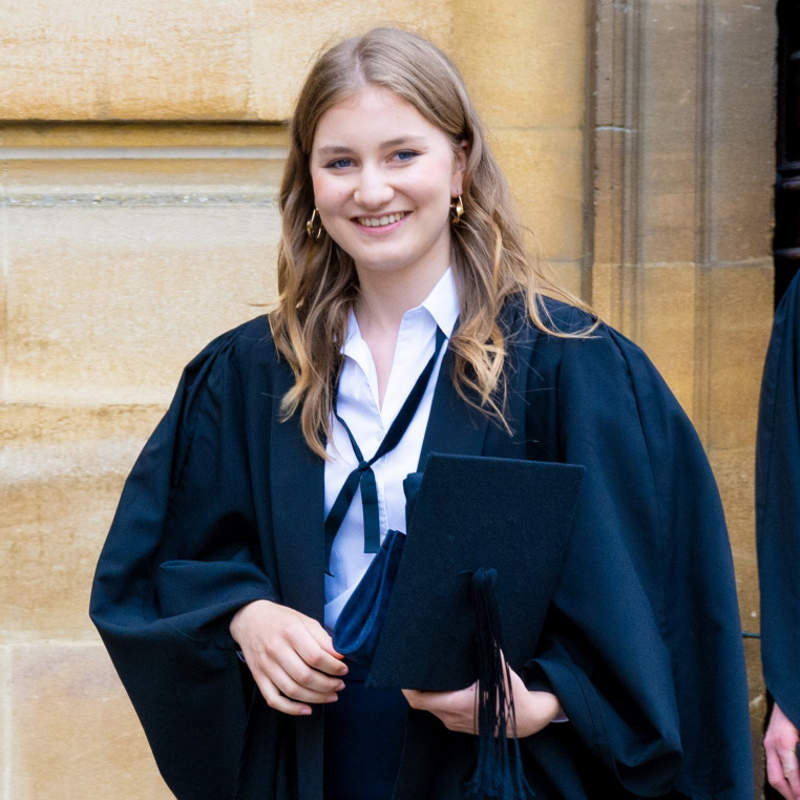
pixel 642 644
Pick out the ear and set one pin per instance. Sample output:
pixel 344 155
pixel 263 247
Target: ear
pixel 459 167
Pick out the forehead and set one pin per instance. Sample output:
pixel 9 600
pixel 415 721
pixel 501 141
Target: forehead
pixel 372 114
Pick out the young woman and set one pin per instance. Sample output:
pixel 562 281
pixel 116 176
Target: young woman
pixel 402 275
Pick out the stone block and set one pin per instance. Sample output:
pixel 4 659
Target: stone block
pixel 665 325
pixel 735 474
pixel 545 170
pixel 612 243
pixel 75 733
pixel 613 24
pixel 645 201
pixel 670 45
pixel 741 219
pixel 180 61
pixel 286 39
pixel 743 130
pixel 524 65
pixel 61 474
pixel 568 275
pixel 667 208
pixel 112 60
pixel 119 271
pixel 655 306
pixel 738 310
pixel 606 294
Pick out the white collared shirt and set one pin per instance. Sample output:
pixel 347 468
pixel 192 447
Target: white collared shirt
pixel 358 405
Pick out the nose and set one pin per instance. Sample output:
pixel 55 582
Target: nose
pixel 373 190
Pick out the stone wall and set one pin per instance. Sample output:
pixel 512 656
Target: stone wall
pixel 141 145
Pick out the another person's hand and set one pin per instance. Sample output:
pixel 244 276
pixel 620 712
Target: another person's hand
pixel 456 710
pixel 780 744
pixel 290 656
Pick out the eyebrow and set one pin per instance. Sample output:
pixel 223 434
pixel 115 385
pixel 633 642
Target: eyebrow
pixel 335 149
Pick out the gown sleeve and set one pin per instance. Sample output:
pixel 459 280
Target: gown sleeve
pixel 643 645
pixel 180 558
pixel 778 506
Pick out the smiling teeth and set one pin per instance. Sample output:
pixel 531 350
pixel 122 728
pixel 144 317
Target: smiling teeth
pixel 377 222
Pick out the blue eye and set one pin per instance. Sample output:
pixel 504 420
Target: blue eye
pixel 406 155
pixel 340 163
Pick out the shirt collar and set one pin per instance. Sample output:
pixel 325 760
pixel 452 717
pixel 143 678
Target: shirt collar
pixel 441 304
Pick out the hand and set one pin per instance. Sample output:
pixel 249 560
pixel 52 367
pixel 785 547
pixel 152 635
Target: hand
pixel 780 744
pixel 290 656
pixel 534 710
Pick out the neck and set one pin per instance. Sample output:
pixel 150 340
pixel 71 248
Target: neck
pixel 383 298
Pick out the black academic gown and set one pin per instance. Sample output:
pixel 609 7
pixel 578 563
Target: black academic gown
pixel 642 645
pixel 778 506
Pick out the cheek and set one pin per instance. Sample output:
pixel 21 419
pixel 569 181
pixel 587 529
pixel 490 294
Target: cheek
pixel 436 182
pixel 329 195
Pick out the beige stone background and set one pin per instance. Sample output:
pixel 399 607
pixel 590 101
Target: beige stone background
pixel 141 145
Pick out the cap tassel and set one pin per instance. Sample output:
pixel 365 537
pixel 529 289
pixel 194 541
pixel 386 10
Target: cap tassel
pixel 498 772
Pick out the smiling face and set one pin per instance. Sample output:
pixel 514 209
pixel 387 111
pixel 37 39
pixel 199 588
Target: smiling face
pixel 383 181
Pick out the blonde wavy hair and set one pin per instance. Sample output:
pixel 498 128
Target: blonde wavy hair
pixel 317 280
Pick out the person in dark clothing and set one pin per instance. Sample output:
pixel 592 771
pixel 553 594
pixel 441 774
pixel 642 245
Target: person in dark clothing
pixel 778 538
pixel 406 294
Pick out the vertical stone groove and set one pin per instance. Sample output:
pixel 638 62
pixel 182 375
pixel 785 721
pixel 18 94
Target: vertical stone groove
pixel 589 153
pixel 617 140
pixel 631 264
pixel 703 220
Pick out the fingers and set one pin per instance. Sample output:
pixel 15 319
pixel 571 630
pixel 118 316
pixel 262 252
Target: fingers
pixel 788 759
pixel 413 698
pixel 784 772
pixel 297 680
pixel 456 710
pixel 314 646
pixel 780 745
pixel 775 775
pixel 323 639
pixel 294 690
pixel 290 656
pixel 533 710
pixel 274 699
pixel 290 664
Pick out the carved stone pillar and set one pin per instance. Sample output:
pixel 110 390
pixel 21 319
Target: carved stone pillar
pixel 684 168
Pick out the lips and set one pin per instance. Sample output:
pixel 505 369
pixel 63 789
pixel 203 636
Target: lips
pixel 383 220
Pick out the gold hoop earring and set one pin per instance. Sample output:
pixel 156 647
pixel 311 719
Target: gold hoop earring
pixel 457 207
pixel 313 233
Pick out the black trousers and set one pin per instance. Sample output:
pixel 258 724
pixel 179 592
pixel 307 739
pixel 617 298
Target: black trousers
pixel 364 732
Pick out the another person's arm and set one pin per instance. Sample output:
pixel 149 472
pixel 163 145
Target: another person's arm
pixel 778 538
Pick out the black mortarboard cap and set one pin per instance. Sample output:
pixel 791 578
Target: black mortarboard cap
pixel 512 516
pixel 487 539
